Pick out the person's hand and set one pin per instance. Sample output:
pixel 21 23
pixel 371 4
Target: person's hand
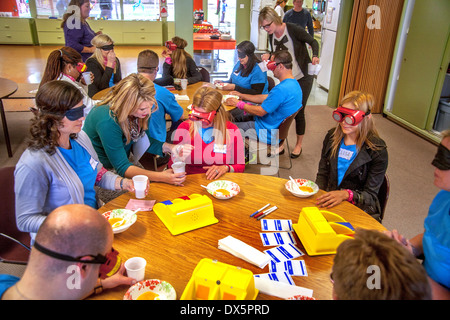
pixel 332 198
pixel 315 60
pixel 265 56
pixel 400 239
pixel 117 279
pixel 174 178
pixel 110 58
pixel 215 172
pixel 181 151
pixel 236 93
pixel 228 86
pixel 231 102
pixel 128 185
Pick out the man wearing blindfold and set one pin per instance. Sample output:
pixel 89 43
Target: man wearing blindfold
pixel 71 259
pixel 433 245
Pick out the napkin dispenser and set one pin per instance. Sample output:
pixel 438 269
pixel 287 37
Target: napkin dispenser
pixel 321 232
pixel 213 280
pixel 186 213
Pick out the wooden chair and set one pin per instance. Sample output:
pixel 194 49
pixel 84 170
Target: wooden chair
pixel 205 74
pixel 383 195
pixel 271 83
pixel 13 242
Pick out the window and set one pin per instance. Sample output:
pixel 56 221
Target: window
pixel 146 10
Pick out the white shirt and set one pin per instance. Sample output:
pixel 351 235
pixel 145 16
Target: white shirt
pixel 296 71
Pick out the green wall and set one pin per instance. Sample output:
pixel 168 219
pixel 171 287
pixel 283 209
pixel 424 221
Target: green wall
pixel 184 18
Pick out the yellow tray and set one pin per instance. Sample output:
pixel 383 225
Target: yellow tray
pixel 186 213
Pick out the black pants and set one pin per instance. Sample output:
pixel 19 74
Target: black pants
pixel 300 122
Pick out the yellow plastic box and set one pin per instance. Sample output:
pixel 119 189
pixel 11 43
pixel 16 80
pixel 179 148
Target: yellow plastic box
pixel 186 213
pixel 321 232
pixel 213 280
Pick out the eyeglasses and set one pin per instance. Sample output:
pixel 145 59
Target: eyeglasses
pixel 272 65
pixel 205 117
pixel 110 263
pixel 266 26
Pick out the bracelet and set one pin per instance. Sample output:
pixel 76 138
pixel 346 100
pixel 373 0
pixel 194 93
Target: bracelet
pixel 350 196
pixel 99 287
pixel 241 105
pixel 121 184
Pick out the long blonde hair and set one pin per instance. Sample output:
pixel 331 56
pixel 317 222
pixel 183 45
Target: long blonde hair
pixel 211 100
pixel 99 41
pixel 126 97
pixel 179 58
pixel 366 128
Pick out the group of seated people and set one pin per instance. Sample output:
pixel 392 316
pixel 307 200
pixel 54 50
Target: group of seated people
pixel 77 143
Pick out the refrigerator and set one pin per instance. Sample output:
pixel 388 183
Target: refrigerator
pixel 258 36
pixel 329 28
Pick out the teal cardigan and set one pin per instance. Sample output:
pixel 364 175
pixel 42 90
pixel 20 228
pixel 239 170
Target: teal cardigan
pixel 109 141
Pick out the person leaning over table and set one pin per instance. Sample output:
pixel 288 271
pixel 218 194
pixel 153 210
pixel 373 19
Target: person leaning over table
pixel 266 112
pixel 60 165
pixel 65 64
pixel 147 65
pixel 374 267
pixel 120 123
pixel 291 37
pixel 354 158
pixel 178 64
pixel 247 76
pixel 77 32
pixel 71 259
pixel 222 147
pixel 103 64
pixel 433 245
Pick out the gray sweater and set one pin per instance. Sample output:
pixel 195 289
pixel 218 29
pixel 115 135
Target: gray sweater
pixel 45 182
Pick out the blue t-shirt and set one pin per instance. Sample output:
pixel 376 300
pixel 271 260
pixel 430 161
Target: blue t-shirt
pixel 85 167
pixel 166 104
pixel 6 282
pixel 346 155
pixel 436 239
pixel 255 76
pixel 283 100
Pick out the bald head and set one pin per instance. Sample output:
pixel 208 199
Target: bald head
pixel 75 230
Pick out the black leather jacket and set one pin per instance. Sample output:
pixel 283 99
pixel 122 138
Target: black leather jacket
pixel 364 176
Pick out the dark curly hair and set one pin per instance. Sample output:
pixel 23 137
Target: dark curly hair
pixel 53 100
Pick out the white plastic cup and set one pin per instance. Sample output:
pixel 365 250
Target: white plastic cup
pixel 140 184
pixel 184 84
pixel 318 67
pixel 136 268
pixel 87 77
pixel 311 68
pixel 178 167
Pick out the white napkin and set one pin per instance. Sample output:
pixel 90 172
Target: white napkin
pixel 244 251
pixel 280 289
pixel 179 97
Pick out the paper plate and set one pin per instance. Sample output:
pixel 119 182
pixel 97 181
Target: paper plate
pixel 223 189
pixel 225 97
pixel 307 188
pixel 152 289
pixel 118 215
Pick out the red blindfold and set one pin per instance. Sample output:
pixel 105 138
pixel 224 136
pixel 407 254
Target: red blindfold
pixel 205 117
pixel 271 65
pixel 350 116
pixel 81 67
pixel 171 46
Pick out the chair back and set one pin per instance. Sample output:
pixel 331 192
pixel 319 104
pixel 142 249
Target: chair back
pixel 383 195
pixel 285 125
pixel 10 250
pixel 271 83
pixel 205 74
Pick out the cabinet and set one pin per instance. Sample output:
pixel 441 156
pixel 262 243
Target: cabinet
pixel 49 31
pixel 15 31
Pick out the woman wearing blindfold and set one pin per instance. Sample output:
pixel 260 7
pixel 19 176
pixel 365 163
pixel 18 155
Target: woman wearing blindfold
pixel 60 165
pixel 103 64
pixel 65 64
pixel 247 77
pixel 218 142
pixel 119 125
pixel 433 245
pixel 354 158
pixel 178 64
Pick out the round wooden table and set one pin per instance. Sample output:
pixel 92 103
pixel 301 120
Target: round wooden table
pixel 7 88
pixel 173 258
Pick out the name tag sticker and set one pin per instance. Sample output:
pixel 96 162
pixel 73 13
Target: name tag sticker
pixel 220 148
pixel 93 163
pixel 345 154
